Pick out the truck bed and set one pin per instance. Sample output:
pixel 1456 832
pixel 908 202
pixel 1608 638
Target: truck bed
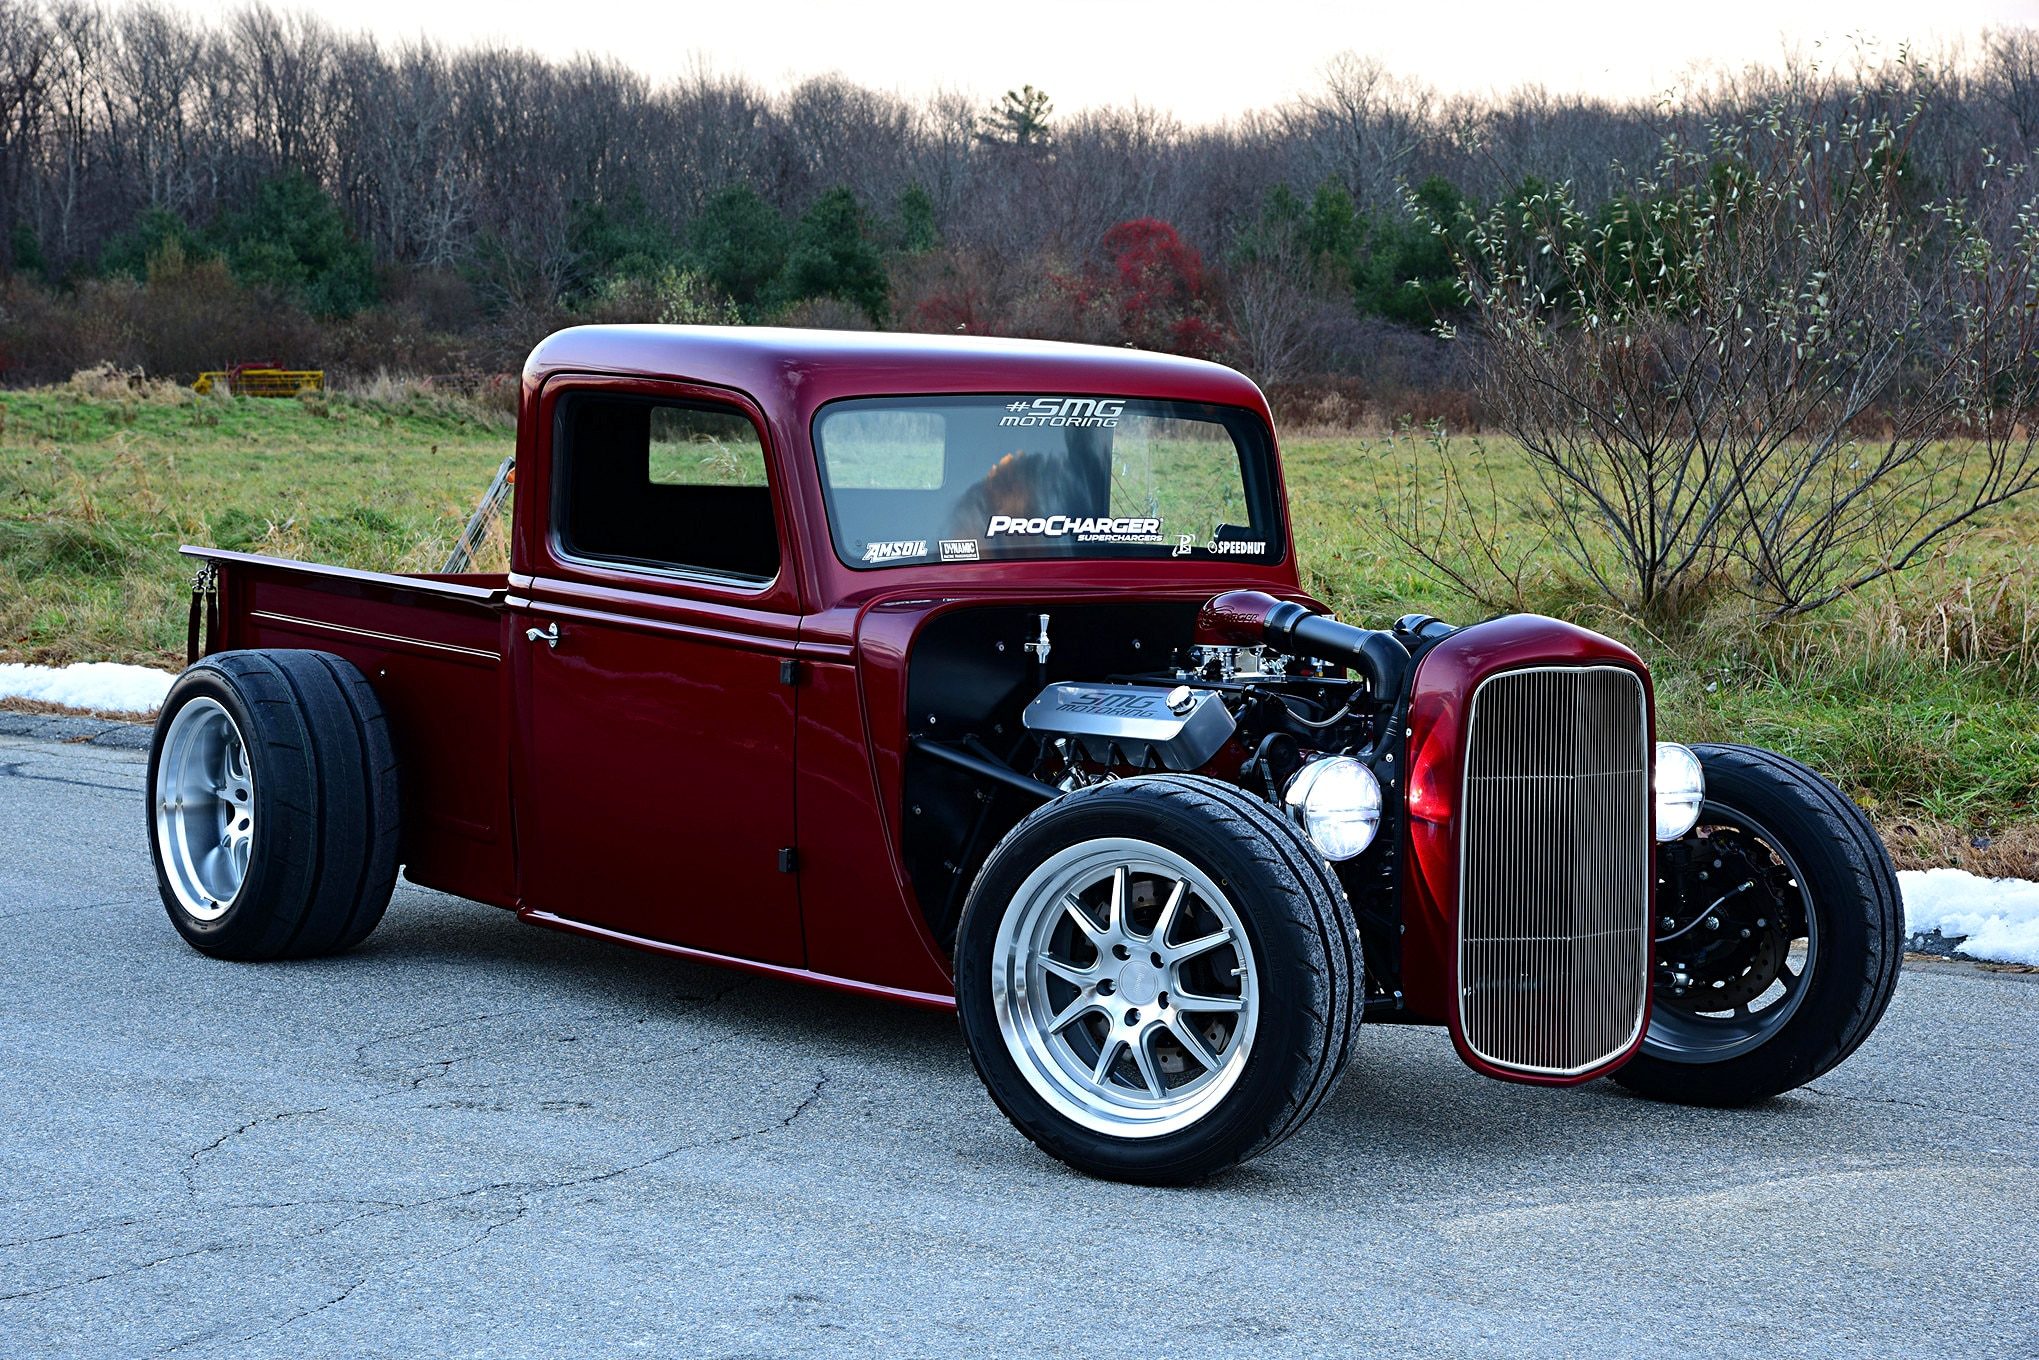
pixel 433 646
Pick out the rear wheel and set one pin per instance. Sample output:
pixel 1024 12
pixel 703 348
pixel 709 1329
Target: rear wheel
pixel 273 805
pixel 1779 936
pixel 1157 978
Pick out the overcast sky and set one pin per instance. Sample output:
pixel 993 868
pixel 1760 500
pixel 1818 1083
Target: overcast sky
pixel 1200 60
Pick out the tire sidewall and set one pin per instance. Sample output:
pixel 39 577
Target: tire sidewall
pixel 1237 1123
pixel 241 925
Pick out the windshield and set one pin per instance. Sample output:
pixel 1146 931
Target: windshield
pixel 980 478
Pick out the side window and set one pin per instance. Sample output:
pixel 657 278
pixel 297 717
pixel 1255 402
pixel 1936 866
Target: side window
pixel 664 484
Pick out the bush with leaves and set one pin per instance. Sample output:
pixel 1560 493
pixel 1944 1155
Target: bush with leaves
pixel 1764 368
pixel 293 239
pixel 739 243
pixel 832 257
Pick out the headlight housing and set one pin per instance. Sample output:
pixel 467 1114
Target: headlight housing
pixel 1337 802
pixel 1681 788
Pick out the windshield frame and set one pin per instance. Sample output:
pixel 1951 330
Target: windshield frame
pixel 1260 483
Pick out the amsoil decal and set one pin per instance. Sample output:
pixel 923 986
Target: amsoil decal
pixel 1083 528
pixel 1085 412
pixel 959 550
pixel 896 550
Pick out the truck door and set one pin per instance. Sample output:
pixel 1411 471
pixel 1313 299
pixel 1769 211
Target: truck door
pixel 655 796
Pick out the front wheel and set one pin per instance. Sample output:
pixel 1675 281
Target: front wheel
pixel 1157 978
pixel 1779 935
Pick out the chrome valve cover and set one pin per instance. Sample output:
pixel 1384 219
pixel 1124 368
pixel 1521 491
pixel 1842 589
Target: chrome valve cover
pixel 1137 725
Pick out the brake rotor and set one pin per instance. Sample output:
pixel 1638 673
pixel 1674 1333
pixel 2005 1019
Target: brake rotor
pixel 1745 890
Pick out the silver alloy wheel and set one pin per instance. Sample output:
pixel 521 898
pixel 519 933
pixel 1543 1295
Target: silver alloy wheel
pixel 205 809
pixel 1125 987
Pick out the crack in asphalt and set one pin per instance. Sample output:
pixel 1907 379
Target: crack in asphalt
pixel 63 911
pixel 191 1169
pixel 13 769
pixel 524 1192
pixel 1923 1105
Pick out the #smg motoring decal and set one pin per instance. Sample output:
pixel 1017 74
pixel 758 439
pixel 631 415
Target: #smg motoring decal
pixel 1083 528
pixel 1062 412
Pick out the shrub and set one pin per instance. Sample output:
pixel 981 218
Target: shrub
pixel 833 258
pixel 293 239
pixel 1160 291
pixel 739 242
pixel 1761 372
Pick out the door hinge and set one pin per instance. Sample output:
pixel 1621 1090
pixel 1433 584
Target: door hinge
pixel 789 861
pixel 789 672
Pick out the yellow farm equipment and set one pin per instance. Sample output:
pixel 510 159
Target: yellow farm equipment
pixel 261 380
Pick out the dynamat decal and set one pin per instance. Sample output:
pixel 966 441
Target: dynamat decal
pixel 1083 412
pixel 896 549
pixel 1083 528
pixel 959 550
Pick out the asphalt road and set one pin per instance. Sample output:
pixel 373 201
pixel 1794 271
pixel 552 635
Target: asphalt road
pixel 473 1137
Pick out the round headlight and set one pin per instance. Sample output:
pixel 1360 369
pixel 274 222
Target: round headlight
pixel 1681 788
pixel 1337 802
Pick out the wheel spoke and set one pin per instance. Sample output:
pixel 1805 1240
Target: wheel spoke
pixel 1190 1001
pixel 1166 921
pixel 1106 1056
pixel 1068 972
pixel 1085 1002
pixel 1115 920
pixel 1192 1043
pixel 1143 1058
pixel 1201 945
pixel 1077 913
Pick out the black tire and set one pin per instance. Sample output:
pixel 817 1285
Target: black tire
pixel 323 861
pixel 1305 957
pixel 1853 894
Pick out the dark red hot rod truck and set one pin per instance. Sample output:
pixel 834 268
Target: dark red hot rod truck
pixel 976 673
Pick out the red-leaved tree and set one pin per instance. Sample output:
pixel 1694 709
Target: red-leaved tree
pixel 1159 290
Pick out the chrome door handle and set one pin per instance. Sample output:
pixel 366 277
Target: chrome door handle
pixel 549 635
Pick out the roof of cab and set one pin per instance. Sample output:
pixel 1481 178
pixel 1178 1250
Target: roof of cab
pixel 808 367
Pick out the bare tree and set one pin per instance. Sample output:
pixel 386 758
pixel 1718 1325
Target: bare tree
pixel 1768 366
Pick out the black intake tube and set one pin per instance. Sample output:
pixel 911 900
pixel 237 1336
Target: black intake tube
pixel 1379 657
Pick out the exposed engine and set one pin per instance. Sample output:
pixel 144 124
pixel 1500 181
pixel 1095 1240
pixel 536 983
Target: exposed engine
pixel 1290 705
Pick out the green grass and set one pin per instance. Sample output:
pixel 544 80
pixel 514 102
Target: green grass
pixel 96 494
pixel 1922 694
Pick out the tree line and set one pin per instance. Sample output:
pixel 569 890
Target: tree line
pixel 178 192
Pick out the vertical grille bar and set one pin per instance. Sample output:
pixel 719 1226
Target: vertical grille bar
pixel 1554 843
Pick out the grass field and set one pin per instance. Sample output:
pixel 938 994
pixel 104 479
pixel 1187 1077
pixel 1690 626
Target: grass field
pixel 1921 695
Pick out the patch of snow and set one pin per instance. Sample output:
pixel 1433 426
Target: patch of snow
pixel 2000 916
pixel 106 686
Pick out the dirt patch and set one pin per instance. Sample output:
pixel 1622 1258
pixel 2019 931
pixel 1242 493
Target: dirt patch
pixel 1921 843
pixel 44 709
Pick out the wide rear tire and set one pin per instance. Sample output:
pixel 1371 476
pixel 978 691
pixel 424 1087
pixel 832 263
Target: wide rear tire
pixel 1142 1041
pixel 273 815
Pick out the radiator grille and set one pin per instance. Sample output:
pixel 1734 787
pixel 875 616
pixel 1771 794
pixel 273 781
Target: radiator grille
pixel 1554 868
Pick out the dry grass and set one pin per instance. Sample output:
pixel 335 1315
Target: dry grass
pixel 1921 694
